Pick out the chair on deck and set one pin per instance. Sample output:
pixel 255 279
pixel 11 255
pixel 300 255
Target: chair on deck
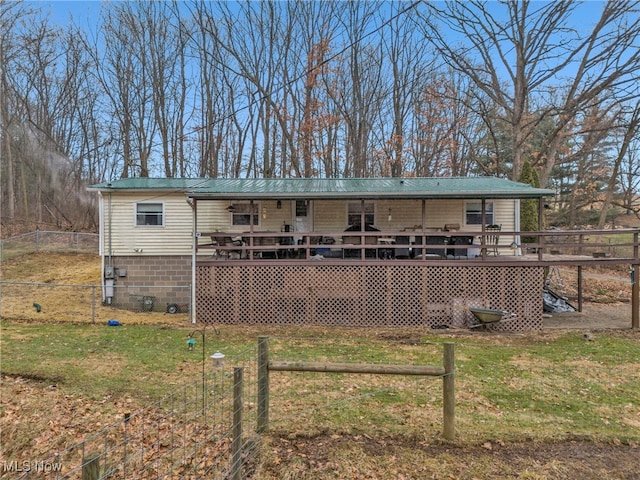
pixel 402 251
pixel 439 247
pixel 222 241
pixel 457 241
pixel 354 238
pixel 267 242
pixel 350 240
pixel 493 238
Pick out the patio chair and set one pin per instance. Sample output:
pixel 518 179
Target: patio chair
pixel 457 241
pixel 354 238
pixel 493 238
pixel 371 252
pixel 403 249
pixel 439 249
pixel 222 241
pixel 350 240
pixel 267 242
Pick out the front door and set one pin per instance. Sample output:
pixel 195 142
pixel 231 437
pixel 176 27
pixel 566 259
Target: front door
pixel 302 217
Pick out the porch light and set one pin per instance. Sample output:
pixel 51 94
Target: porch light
pixel 231 209
pixel 264 213
pixel 279 204
pixel 389 217
pixel 217 359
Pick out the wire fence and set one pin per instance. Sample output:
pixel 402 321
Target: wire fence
pixel 47 241
pixel 208 428
pixel 203 429
pixel 72 303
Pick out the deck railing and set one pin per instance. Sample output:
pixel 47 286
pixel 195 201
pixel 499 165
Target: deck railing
pixel 553 246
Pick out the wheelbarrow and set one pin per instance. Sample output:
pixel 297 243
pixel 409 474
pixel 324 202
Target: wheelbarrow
pixel 177 307
pixel 489 316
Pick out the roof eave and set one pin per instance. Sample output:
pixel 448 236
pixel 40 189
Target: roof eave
pixel 366 195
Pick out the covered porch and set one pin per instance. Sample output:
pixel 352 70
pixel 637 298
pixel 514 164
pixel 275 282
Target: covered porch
pixel 385 252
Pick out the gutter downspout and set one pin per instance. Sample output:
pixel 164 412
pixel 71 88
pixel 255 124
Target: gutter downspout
pixel 110 248
pixel 516 224
pixel 194 239
pixel 101 241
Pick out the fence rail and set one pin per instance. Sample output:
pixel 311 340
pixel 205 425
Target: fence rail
pixel 207 428
pixel 49 241
pixel 446 372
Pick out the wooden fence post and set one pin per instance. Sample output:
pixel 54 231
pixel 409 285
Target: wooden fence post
pixel 449 392
pixel 93 304
pixel 263 384
pixel 236 442
pixel 91 467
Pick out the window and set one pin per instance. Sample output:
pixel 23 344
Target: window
pixel 354 214
pixel 473 212
pixel 302 209
pixel 241 214
pixel 149 214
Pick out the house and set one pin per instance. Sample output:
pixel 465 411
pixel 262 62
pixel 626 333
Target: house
pixel 349 252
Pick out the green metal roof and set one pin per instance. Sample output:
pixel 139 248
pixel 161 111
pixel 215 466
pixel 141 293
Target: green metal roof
pixel 315 188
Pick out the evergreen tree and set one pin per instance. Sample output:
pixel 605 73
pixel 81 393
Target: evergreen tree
pixel 529 207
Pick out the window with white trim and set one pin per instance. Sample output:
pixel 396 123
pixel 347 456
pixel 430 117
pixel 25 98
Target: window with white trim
pixel 473 212
pixel 149 214
pixel 241 214
pixel 354 213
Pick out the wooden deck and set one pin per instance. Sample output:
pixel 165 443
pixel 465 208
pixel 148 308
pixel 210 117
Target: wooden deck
pixel 317 283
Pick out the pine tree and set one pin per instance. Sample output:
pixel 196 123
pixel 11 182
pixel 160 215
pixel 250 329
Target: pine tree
pixel 529 207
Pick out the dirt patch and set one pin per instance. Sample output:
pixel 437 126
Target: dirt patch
pixel 315 457
pixel 593 317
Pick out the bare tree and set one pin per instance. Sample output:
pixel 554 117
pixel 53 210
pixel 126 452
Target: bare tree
pixel 42 85
pixel 630 127
pixel 163 40
pixel 408 64
pixel 447 126
pixel 247 35
pixel 357 87
pixel 122 66
pixel 516 53
pixel 589 160
pixel 9 52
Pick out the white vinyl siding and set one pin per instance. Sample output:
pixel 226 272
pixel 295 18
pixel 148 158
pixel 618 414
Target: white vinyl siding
pixel 174 237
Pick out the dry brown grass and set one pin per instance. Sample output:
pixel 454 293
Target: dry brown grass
pixel 71 288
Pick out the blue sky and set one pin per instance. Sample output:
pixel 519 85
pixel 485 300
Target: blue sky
pixel 84 11
pixel 62 12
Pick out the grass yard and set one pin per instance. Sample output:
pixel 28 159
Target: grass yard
pixel 544 405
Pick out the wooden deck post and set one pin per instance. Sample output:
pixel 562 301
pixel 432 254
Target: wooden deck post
pixel 580 286
pixel 635 288
pixel 635 298
pixel 91 467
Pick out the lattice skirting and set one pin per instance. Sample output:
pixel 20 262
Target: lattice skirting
pixel 367 295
